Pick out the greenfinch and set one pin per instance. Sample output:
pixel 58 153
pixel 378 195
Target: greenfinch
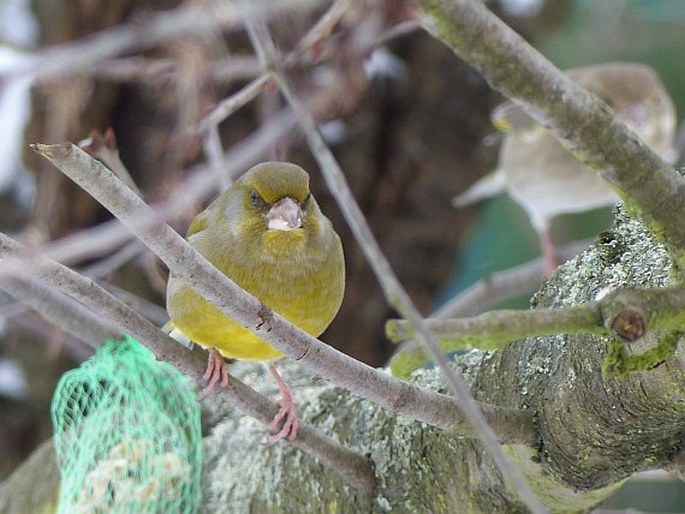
pixel 547 180
pixel 267 234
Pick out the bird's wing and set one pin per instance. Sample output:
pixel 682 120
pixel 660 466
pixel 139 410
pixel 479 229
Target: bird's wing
pixel 488 186
pixel 201 221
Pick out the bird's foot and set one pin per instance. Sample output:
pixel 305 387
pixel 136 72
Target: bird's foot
pixel 551 266
pixel 217 372
pixel 548 253
pixel 287 412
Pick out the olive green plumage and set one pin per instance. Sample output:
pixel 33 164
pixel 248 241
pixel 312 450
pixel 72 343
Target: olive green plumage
pixel 297 271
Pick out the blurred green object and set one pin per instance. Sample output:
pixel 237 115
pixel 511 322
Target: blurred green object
pixel 654 491
pixel 502 239
pixel 646 31
pixel 127 434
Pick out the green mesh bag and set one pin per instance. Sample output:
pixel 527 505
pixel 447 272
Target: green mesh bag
pixel 127 434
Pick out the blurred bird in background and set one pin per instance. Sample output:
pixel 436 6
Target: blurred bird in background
pixel 545 178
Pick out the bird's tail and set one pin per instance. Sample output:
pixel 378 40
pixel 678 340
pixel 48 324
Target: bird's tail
pixel 488 186
pixel 170 329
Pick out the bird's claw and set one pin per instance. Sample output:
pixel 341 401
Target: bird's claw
pixel 290 425
pixel 287 412
pixel 217 372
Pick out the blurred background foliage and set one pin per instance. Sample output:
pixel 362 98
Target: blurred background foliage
pixel 410 137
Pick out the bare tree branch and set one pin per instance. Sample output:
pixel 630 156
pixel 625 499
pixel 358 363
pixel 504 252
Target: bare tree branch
pixel 112 317
pixel 231 104
pixel 503 285
pixel 140 69
pixel 584 422
pixel 394 292
pixel 59 309
pixel 436 409
pixel 626 314
pixel 114 261
pixel 187 19
pixel 108 236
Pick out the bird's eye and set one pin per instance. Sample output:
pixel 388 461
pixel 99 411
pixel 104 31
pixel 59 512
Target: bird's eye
pixel 256 200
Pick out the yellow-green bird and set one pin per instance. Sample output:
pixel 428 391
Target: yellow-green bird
pixel 267 234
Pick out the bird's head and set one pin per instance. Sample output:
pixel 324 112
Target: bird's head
pixel 278 192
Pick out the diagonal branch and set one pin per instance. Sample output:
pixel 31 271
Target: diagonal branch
pixel 110 235
pixel 491 330
pixel 442 411
pixel 502 285
pixel 651 190
pixel 231 104
pixel 60 295
pixel 393 290
pixel 59 309
pixel 494 329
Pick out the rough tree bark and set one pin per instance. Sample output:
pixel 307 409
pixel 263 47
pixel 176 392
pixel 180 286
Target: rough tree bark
pixel 593 434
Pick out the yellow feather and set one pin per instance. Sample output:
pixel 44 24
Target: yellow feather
pixel 299 273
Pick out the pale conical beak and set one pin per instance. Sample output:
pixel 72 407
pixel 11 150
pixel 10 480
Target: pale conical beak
pixel 285 215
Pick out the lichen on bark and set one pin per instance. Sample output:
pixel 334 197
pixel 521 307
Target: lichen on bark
pixel 594 433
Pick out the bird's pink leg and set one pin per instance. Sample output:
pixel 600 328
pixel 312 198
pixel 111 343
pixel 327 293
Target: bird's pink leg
pixel 548 252
pixel 216 372
pixel 287 411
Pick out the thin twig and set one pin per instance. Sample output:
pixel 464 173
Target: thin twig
pixel 59 309
pixel 231 104
pixel 397 31
pixel 394 292
pixel 165 25
pixel 133 69
pixel 141 69
pixel 108 236
pixel 85 244
pixel 149 310
pixel 321 30
pixel 215 156
pixel 494 328
pixel 34 325
pixel 113 262
pixel 626 314
pixel 235 68
pixel 503 285
pixel 488 331
pixel 103 146
pixel 10 308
